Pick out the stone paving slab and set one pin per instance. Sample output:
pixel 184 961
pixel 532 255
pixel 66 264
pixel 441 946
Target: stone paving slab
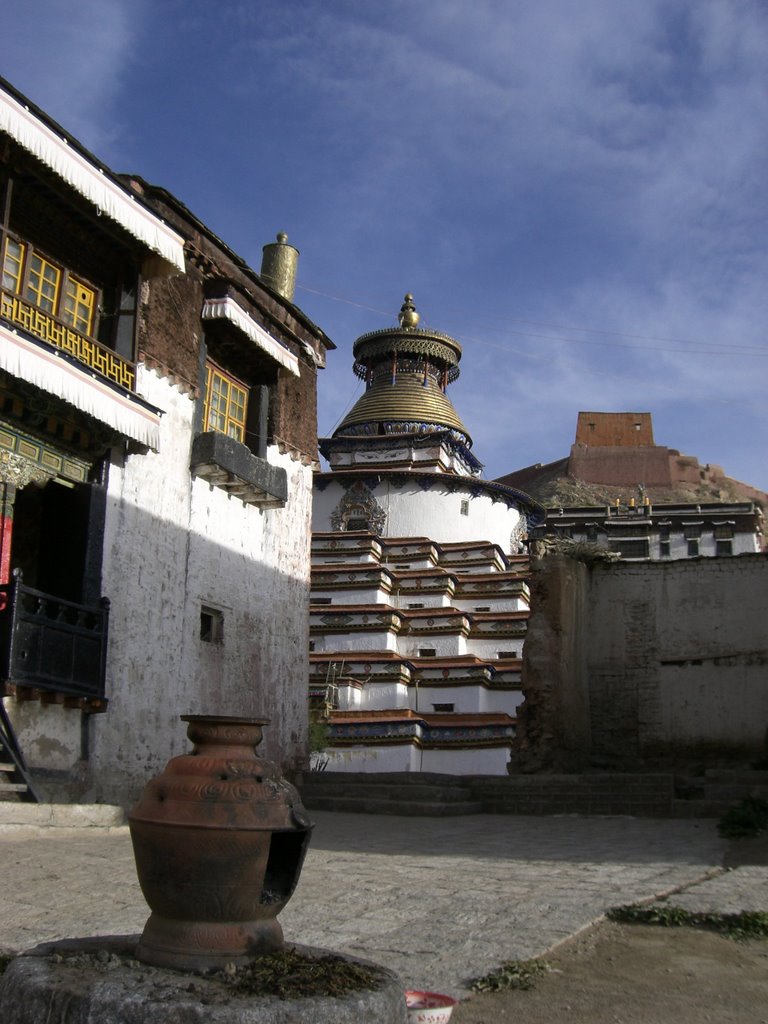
pixel 736 889
pixel 438 901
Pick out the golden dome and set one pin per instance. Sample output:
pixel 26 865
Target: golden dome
pixel 398 406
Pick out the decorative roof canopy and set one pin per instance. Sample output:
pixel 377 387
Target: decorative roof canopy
pixel 407 370
pixel 63 155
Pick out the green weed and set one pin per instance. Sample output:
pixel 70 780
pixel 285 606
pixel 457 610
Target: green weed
pixel 512 974
pixel 747 818
pixel 749 924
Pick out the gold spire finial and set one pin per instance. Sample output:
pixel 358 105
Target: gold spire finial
pixel 408 316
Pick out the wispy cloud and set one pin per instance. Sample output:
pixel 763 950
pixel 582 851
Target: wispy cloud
pixel 597 165
pixel 70 59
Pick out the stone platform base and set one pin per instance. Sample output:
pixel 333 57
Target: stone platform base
pixel 98 980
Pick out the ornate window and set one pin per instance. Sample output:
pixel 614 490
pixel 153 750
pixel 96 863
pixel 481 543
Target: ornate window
pixel 47 286
pixel 226 403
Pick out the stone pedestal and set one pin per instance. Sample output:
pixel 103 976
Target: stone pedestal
pixel 99 980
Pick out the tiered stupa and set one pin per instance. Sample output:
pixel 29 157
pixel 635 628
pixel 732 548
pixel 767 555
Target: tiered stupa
pixel 419 599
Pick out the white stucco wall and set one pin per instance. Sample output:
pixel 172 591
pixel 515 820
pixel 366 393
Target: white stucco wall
pixel 445 645
pixel 382 696
pixel 410 758
pixel 420 600
pixel 434 513
pixel 493 604
pixel 507 701
pixel 467 761
pixel 403 757
pixel 357 641
pixel 358 595
pixel 466 699
pixel 172 545
pixel 489 648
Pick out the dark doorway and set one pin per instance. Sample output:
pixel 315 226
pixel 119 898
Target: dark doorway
pixel 50 538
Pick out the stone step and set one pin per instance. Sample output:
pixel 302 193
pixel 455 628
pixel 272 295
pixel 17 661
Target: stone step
pixel 608 806
pixel 379 791
pixel 729 792
pixel 700 808
pixel 13 787
pixel 406 808
pixel 736 776
pixel 389 778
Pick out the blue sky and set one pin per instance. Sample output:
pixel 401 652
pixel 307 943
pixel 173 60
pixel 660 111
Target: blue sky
pixel 575 191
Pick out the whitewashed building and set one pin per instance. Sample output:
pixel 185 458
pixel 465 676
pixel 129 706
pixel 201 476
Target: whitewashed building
pixel 157 443
pixel 639 529
pixel 419 596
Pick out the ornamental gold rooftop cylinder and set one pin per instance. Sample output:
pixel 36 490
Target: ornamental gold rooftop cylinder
pixel 279 263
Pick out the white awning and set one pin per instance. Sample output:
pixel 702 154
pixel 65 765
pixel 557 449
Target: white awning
pixel 39 365
pixel 107 196
pixel 228 309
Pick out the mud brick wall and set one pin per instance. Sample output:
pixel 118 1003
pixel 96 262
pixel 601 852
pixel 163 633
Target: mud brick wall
pixel 666 662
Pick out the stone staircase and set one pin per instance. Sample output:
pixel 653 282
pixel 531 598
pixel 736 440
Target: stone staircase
pixel 646 795
pixel 640 795
pixel 711 794
pixel 413 794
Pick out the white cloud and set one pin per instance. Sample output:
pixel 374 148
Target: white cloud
pixel 70 58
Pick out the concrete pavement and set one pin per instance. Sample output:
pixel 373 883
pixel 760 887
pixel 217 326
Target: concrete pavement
pixel 439 901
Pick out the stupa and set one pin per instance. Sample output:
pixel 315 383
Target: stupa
pixel 419 597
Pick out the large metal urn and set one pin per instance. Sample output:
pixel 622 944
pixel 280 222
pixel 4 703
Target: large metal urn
pixel 219 840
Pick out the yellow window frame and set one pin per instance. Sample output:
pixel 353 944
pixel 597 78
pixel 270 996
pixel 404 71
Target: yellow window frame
pixel 43 283
pixel 48 286
pixel 13 264
pixel 77 305
pixel 226 403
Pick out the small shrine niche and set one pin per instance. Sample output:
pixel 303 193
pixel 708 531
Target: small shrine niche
pixel 358 510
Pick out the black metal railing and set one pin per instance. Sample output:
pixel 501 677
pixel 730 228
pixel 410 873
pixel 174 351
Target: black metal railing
pixel 50 644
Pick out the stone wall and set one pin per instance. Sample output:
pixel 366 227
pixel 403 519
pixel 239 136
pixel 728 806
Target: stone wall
pixel 628 666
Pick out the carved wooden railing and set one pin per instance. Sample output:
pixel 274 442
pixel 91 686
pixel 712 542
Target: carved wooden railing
pixel 55 332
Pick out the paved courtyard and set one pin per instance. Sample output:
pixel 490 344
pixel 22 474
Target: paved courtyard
pixel 437 900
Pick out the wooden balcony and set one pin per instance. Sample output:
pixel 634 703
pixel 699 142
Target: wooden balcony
pixel 48 328
pixel 50 649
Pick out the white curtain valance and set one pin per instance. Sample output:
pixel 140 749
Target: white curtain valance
pixel 43 367
pixel 89 180
pixel 227 309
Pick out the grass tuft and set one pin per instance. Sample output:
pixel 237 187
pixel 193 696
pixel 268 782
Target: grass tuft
pixel 747 818
pixel 749 924
pixel 520 974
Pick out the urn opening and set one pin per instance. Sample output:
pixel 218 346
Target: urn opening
pixel 286 856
